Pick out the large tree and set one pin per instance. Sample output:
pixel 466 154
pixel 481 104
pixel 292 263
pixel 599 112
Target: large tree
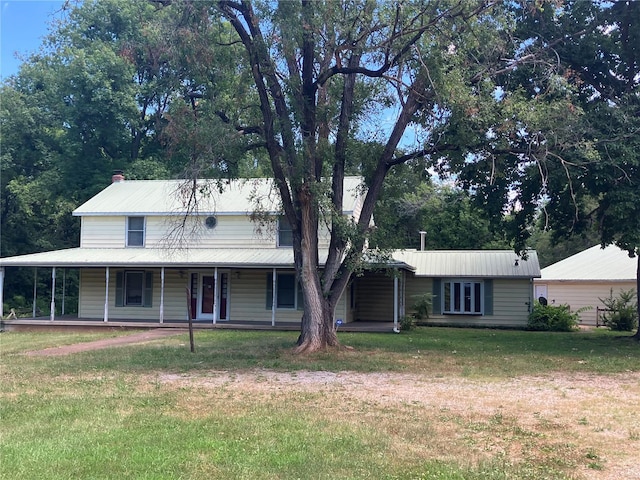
pixel 323 73
pixel 582 172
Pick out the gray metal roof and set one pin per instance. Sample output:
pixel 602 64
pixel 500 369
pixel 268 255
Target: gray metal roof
pixel 168 197
pixel 594 264
pixel 440 263
pixel 470 263
pixel 147 257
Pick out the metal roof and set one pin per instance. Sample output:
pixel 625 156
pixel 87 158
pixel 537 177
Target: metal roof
pixel 168 197
pixel 441 263
pixel 470 263
pixel 593 264
pixel 147 257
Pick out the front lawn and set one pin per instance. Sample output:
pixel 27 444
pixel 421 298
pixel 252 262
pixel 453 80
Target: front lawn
pixel 434 403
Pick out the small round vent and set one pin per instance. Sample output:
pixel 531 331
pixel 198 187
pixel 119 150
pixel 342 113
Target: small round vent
pixel 211 222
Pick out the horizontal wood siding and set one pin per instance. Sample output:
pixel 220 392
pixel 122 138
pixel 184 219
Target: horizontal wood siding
pixel 583 294
pixel 103 232
pixel 231 231
pixel 511 299
pixel 374 298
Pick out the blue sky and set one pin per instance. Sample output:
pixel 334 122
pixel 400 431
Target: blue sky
pixel 23 24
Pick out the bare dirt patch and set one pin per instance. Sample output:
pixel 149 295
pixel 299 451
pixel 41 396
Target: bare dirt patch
pixel 141 337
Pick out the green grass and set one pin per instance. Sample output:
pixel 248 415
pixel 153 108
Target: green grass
pixel 108 414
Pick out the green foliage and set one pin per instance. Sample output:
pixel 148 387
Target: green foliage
pixel 622 312
pixel 553 318
pixel 422 305
pixel 408 322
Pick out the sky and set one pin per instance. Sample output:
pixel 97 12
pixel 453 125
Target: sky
pixel 23 25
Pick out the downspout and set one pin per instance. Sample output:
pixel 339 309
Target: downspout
pixel 52 315
pixel 395 303
pixel 106 295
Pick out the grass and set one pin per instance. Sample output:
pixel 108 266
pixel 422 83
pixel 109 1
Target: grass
pixel 112 413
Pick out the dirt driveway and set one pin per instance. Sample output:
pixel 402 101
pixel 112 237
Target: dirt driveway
pixel 141 337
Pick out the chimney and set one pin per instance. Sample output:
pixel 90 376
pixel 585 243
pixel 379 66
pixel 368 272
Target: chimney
pixel 118 176
pixel 422 236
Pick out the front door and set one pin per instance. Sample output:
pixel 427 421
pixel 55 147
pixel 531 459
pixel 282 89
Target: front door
pixel 207 296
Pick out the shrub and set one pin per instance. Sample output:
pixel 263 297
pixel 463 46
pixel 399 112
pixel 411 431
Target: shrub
pixel 552 318
pixel 622 314
pixel 422 306
pixel 407 323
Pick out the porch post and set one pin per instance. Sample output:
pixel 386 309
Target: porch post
pixel 273 298
pixel 106 295
pixel 35 288
pixel 162 295
pixel 52 315
pixel 395 302
pixel 1 292
pixel 64 287
pixel 216 300
pixel 403 293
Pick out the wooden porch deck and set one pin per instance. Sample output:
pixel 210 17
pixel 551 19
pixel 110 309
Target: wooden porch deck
pixel 69 323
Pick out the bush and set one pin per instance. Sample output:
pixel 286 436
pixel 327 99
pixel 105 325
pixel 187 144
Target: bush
pixel 422 306
pixel 407 323
pixel 552 318
pixel 622 314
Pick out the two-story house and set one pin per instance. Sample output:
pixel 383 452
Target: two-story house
pixel 148 253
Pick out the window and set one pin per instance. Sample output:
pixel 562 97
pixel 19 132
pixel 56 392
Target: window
pixel 288 291
pixel 134 288
pixel 285 234
pixel 135 231
pixel 462 296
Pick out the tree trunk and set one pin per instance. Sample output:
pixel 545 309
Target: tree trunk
pixel 317 330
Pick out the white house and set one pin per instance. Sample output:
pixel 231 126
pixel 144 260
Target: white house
pixel 145 256
pixel 584 278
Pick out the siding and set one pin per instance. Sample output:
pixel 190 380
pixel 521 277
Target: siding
pixel 246 297
pixel 231 231
pixel 374 298
pixel 583 294
pixel 511 301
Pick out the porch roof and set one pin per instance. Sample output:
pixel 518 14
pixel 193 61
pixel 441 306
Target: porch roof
pixel 147 257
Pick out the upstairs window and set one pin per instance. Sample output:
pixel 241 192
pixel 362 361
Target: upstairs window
pixel 285 234
pixel 135 232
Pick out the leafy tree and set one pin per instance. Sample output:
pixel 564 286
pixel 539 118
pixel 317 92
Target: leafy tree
pixel 318 73
pixel 581 168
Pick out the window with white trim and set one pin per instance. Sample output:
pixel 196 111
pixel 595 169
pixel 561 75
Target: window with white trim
pixel 135 231
pixel 462 297
pixel 285 234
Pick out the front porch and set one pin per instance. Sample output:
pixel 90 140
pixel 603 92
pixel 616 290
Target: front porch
pixel 71 322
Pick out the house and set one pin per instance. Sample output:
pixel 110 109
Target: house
pixel 146 255
pixel 581 280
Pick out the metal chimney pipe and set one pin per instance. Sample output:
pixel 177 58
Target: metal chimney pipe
pixel 422 237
